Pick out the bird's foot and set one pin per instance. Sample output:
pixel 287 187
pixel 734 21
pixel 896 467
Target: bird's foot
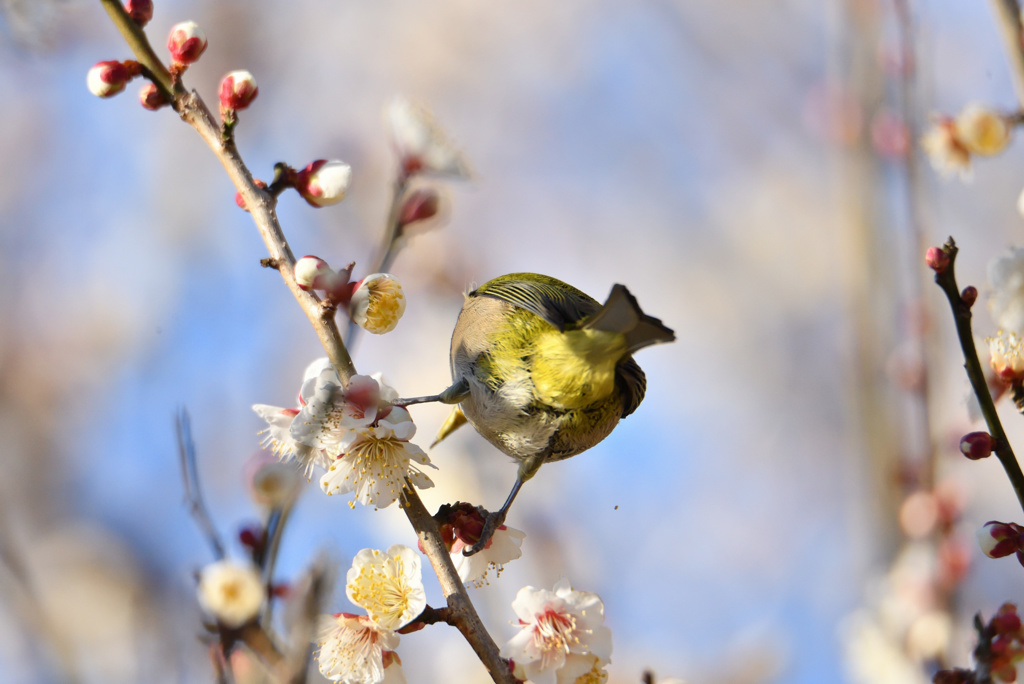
pixel 492 523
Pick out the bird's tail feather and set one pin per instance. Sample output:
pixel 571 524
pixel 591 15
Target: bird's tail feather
pixel 622 314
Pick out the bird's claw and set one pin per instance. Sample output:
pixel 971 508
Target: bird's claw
pixel 492 523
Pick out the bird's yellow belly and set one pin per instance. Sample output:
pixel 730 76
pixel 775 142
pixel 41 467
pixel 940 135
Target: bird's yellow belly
pixel 575 369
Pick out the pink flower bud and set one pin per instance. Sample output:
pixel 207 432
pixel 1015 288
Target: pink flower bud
pixel 237 90
pixel 937 259
pixel 311 272
pixel 977 445
pixel 238 196
pixel 323 182
pixel 151 98
pixel 107 79
pixel 1006 620
pixel 141 11
pixel 186 42
pixel 969 295
pixel 419 205
pixel 999 539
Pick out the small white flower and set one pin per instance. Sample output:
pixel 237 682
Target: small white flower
pixel 376 461
pixel 355 650
pixel 946 151
pixel 330 412
pixel 1007 355
pixel 231 592
pixel 377 303
pixel 389 586
pixel 1006 280
pixel 982 130
pixel 502 547
pixel 279 439
pixel 420 142
pixel 273 484
pixel 554 624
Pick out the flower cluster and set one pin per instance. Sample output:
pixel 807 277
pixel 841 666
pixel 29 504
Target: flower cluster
pixel 1000 648
pixel 976 130
pixel 359 649
pixel 353 433
pixel 562 636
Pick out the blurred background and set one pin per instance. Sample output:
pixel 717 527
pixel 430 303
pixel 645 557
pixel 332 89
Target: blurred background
pixel 749 169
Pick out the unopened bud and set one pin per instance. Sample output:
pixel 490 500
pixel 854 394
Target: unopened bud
pixel 237 90
pixel 419 205
pixel 251 536
pixel 323 182
pixel 377 303
pixel 982 130
pixel 969 295
pixel 311 273
pixel 151 98
pixel 186 42
pixel 141 11
pixel 937 259
pixel 1006 621
pixel 977 445
pixel 998 539
pixel 107 79
pixel 240 201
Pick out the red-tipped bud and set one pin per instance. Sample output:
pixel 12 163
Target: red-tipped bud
pixel 251 536
pixel 977 445
pixel 312 273
pixel 107 79
pixel 323 182
pixel 419 205
pixel 1006 621
pixel 237 90
pixel 141 11
pixel 238 196
pixel 937 259
pixel 186 42
pixel 151 98
pixel 999 539
pixel 969 295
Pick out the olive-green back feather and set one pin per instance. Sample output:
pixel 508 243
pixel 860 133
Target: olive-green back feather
pixel 558 303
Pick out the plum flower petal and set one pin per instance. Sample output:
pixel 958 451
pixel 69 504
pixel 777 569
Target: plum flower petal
pixel 353 649
pixel 388 585
pixel 502 547
pixel 553 625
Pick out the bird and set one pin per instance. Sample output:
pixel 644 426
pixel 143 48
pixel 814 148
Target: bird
pixel 543 371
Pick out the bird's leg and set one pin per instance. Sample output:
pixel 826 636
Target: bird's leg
pixel 494 521
pixel 528 467
pixel 453 395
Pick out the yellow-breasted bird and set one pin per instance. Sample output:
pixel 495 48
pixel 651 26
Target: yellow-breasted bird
pixel 543 371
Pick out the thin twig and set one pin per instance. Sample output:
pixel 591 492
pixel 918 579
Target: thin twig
pixel 962 316
pixel 261 205
pixel 1008 18
pixel 268 560
pixel 190 475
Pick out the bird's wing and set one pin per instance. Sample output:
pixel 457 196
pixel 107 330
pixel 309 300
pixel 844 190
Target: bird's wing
pixel 632 383
pixel 559 304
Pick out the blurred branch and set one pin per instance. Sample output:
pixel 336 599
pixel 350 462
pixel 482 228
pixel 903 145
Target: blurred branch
pixel 946 279
pixel 261 207
pixel 1012 32
pixel 190 475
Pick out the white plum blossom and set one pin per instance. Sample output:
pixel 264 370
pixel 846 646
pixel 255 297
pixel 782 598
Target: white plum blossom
pixel 355 650
pixel 278 438
pixel 388 585
pixel 377 303
pixel 1006 280
pixel 230 591
pixel 555 624
pixel 504 546
pixel 420 143
pixel 376 460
